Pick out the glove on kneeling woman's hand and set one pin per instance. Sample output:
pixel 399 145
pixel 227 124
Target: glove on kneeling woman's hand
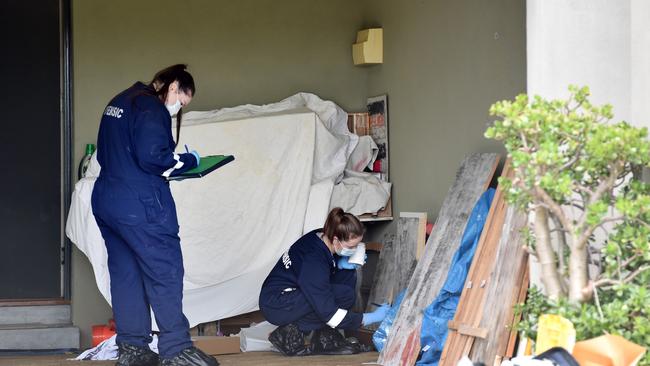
pixel 376 316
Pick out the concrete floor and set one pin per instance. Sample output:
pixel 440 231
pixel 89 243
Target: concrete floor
pixel 241 359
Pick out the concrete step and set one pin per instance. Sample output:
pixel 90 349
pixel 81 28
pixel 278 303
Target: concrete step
pixel 35 337
pixel 35 314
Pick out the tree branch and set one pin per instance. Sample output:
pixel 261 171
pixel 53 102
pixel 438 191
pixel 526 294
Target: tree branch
pixel 600 310
pixel 584 189
pixel 561 238
pixel 552 206
pixel 558 230
pixel 641 222
pixel 524 141
pixel 573 160
pixel 608 281
pixel 632 275
pixel 603 187
pixel 607 220
pixel 630 260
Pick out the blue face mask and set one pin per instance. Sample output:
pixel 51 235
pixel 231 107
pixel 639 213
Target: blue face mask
pixel 344 252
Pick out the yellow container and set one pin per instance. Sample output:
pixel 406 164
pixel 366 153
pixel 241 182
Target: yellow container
pixel 554 331
pixel 369 48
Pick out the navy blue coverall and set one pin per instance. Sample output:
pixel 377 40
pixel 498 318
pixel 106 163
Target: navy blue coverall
pixel 136 215
pixel 306 288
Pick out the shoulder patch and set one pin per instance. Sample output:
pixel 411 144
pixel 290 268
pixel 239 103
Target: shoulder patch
pixel 286 260
pixel 113 111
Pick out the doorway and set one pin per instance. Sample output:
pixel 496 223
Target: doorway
pixel 35 143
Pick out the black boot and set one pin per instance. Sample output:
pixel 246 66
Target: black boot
pixel 328 341
pixel 190 356
pixel 130 355
pixel 289 340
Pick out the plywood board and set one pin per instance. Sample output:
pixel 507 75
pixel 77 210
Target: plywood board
pixel 383 285
pixel 397 262
pixel 418 222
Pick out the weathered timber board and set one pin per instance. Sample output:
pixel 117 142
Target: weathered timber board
pixel 503 290
pixel 383 283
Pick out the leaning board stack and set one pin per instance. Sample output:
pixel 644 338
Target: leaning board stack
pixel 497 280
pixel 472 179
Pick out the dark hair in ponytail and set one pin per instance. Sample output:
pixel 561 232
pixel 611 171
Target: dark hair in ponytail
pixel 165 77
pixel 343 225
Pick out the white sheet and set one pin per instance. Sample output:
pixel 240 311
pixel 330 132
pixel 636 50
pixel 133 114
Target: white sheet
pixel 364 155
pixel 232 221
pixel 360 193
pixel 108 350
pixel 334 142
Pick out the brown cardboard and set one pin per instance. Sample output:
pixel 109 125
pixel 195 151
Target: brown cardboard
pixel 608 350
pixel 214 345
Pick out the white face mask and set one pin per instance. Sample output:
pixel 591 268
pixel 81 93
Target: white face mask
pixel 174 108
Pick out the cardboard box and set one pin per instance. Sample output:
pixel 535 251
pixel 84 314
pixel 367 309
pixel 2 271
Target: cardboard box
pixel 214 345
pixel 608 350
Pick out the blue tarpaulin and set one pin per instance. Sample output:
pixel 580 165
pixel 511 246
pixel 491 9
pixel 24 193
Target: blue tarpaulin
pixel 381 334
pixel 442 309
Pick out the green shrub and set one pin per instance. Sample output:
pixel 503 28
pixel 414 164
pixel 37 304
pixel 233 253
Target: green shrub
pixel 625 312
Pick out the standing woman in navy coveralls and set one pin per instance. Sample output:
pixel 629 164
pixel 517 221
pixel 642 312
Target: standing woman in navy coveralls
pixel 136 215
pixel 313 287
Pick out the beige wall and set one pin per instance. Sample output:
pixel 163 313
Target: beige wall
pixel 445 63
pixel 442 69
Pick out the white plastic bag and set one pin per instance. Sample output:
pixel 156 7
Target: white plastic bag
pixel 256 338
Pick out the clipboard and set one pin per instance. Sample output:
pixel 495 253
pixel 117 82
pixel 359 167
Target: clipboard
pixel 207 165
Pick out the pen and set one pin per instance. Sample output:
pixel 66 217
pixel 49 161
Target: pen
pixel 186 149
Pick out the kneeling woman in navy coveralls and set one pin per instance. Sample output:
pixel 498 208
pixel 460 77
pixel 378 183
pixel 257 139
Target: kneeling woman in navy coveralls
pixel 312 288
pixel 136 215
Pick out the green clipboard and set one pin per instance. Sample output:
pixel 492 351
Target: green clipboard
pixel 207 165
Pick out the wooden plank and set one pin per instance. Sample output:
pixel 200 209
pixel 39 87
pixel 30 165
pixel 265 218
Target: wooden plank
pixel 472 179
pixel 504 290
pixel 421 230
pixel 405 252
pixel 374 245
pixel 468 330
pixel 383 288
pixel 510 350
pixel 385 214
pixel 484 275
pixel 472 299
